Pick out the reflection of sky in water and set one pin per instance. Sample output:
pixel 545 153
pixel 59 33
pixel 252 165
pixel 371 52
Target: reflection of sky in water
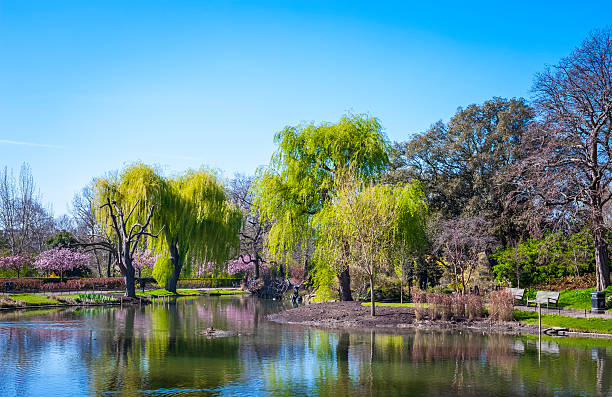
pixel 159 351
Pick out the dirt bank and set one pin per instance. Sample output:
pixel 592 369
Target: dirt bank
pixel 355 316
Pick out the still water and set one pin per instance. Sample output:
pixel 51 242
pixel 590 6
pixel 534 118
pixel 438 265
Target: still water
pixel 158 350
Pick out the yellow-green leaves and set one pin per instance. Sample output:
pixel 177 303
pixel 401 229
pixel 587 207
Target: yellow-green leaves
pixel 303 175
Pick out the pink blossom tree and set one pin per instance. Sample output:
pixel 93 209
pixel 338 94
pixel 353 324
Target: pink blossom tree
pixel 143 260
pixel 15 262
pixel 246 267
pixel 60 260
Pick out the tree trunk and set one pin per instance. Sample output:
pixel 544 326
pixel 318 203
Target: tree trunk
pixel 98 263
pixel 176 269
pixel 372 303
pixel 344 280
pixel 108 265
pixel 257 261
pixel 130 285
pixel 129 273
pixel 602 260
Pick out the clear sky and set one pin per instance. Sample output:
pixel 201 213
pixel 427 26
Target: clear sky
pixel 89 86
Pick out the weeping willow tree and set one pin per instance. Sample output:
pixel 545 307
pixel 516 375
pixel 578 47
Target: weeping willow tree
pixel 124 207
pixel 196 222
pixel 199 225
pixel 302 178
pixel 369 229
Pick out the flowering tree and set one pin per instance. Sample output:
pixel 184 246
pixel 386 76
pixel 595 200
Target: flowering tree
pixel 143 260
pixel 15 262
pixel 60 260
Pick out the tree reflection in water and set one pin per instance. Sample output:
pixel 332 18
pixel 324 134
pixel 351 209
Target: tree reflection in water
pixel 159 350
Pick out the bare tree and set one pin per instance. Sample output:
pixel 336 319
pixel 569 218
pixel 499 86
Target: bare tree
pixel 86 229
pixel 25 222
pixel 568 158
pixel 461 241
pixel 253 231
pixel 125 240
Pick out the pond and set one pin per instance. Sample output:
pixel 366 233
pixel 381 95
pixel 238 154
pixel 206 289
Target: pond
pixel 159 350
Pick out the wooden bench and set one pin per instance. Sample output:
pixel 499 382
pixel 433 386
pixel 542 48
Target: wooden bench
pixel 517 293
pixel 545 297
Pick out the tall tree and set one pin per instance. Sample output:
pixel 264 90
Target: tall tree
pixel 568 151
pixel 254 230
pixel 461 241
pixel 87 229
pixel 461 163
pixel 199 224
pixel 124 210
pixel 302 175
pixel 25 222
pixel 369 229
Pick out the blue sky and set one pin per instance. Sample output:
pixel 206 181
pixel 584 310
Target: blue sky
pixel 89 86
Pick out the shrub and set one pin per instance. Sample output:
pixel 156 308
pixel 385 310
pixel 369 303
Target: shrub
pixel 501 304
pixel 22 284
pixel 440 306
pixel 459 302
pixel 37 284
pixel 420 299
pixel 475 306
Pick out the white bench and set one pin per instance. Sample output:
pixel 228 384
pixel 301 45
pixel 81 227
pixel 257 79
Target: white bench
pixel 545 297
pixel 517 293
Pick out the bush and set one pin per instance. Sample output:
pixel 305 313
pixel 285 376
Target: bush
pixel 22 284
pixel 420 299
pixel 440 306
pixel 501 305
pixel 208 282
pixel 475 306
pixel 51 284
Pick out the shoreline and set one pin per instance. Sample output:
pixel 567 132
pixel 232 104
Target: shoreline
pixel 353 316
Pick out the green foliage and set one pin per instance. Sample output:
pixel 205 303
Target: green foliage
pixel 554 256
pixel 304 172
pixel 163 269
pixel 461 163
pixel 368 229
pixel 196 220
pixel 61 239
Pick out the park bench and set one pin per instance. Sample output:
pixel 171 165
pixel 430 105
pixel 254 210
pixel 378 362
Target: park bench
pixel 517 293
pixel 545 297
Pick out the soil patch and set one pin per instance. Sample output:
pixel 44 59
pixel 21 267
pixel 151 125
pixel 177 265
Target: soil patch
pixel 353 315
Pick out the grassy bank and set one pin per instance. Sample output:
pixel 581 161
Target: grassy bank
pixel 600 325
pixel 29 300
pixel 163 292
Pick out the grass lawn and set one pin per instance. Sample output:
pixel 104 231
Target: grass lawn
pixel 574 323
pixel 579 299
pixel 163 292
pixel 34 299
pixel 224 291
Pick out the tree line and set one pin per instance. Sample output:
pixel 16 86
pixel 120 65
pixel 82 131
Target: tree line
pixel 343 203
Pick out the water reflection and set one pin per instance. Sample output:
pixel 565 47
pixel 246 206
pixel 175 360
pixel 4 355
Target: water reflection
pixel 159 350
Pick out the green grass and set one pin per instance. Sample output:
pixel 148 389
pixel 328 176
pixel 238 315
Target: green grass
pixel 34 299
pixel 573 323
pixel 163 292
pixel 224 291
pixel 578 299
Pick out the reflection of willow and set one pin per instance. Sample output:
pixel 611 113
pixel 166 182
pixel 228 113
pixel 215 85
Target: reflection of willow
pixel 317 364
pixel 171 353
pixel 179 356
pixel 119 367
